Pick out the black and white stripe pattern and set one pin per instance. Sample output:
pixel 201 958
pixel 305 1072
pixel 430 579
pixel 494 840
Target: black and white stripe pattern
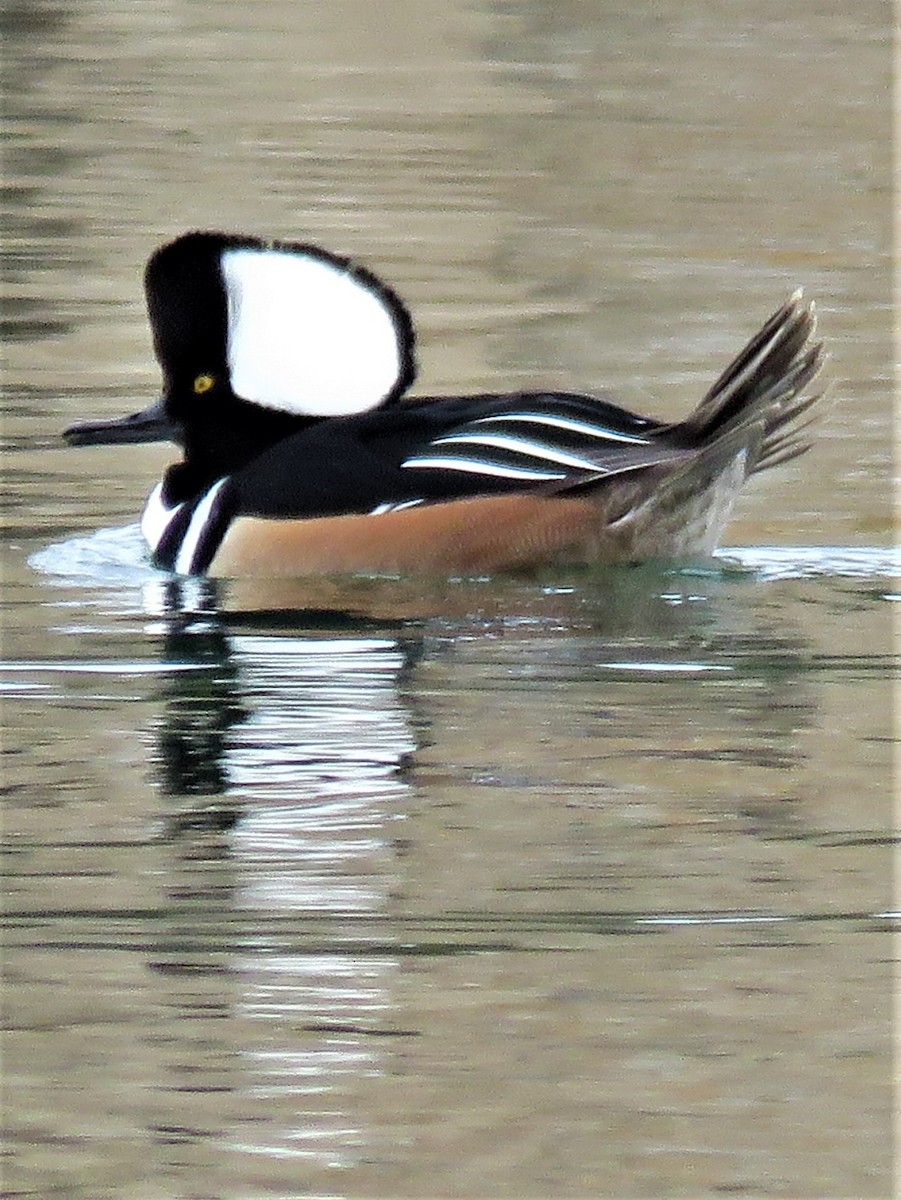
pixel 531 446
pixel 184 537
pixel 567 425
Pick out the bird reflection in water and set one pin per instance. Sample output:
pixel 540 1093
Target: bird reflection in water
pixel 279 752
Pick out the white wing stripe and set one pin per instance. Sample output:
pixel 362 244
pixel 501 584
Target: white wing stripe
pixel 501 441
pixel 392 506
pixel 568 425
pixel 447 462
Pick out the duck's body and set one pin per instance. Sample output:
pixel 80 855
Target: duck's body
pixel 285 371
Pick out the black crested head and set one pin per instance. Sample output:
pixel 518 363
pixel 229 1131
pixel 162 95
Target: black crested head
pixel 188 308
pixel 258 340
pixel 285 326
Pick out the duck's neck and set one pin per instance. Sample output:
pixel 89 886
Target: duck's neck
pixel 225 447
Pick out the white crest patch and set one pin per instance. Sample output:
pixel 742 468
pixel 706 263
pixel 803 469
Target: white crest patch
pixel 305 336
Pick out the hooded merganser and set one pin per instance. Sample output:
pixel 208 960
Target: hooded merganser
pixel 285 370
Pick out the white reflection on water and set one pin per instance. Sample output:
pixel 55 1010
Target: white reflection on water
pixel 330 999
pixel 802 562
pixel 312 763
pixel 666 668
pixel 111 667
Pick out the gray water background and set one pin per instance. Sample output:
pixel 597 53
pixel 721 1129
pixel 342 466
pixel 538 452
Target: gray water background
pixel 572 886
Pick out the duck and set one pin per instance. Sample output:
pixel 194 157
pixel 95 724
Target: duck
pixel 286 376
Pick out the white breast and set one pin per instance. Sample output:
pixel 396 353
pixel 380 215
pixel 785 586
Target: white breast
pixel 156 517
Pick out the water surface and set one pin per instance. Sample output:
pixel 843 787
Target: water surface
pixel 571 885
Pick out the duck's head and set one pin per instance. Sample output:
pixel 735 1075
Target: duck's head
pixel 256 339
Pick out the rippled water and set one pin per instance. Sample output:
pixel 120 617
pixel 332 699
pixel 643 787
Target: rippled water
pixel 569 885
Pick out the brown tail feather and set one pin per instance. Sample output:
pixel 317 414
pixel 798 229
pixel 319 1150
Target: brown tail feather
pixel 762 383
pixel 750 420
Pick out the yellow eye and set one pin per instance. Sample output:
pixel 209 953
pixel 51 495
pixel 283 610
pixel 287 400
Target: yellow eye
pixel 203 383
